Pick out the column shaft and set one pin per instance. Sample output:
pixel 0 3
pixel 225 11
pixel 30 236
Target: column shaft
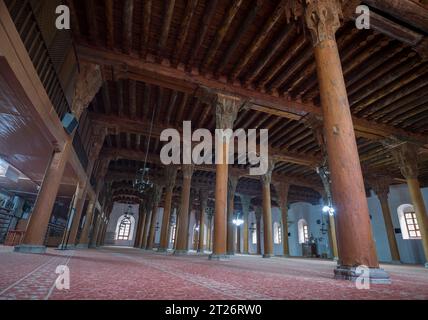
pixel 356 244
pixel 166 218
pixel 395 255
pixel 183 227
pixel 267 222
pixel 84 238
pixel 36 230
pixel 420 211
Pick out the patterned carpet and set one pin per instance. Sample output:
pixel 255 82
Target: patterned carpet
pixel 125 273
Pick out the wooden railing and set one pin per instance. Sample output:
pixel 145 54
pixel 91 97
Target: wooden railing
pixel 5 220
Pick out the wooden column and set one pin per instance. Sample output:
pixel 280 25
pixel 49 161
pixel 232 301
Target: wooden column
pixel 203 199
pixel 157 194
pixel 246 202
pixel 183 227
pixel 209 231
pixel 267 212
pixel 80 199
pixel 380 186
pixel 98 135
pixel 84 237
pixel 282 189
pixel 34 237
pixel 356 246
pixel 406 155
pixel 232 183
pixel 170 176
pixel 316 124
pixel 226 112
pixel 259 230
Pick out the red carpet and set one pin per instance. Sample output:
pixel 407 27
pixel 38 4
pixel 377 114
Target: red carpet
pixel 118 273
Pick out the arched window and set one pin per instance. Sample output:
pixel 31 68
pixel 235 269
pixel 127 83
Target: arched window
pixel 253 233
pixel 408 222
pixel 125 228
pixel 277 233
pixel 302 226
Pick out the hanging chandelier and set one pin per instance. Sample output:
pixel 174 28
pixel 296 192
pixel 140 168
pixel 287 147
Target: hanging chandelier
pixel 142 183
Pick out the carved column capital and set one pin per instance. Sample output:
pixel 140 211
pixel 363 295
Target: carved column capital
pixel 406 155
pixel 232 183
pixel 170 177
pixel 227 108
pixel 89 82
pixel 245 202
pixel 267 177
pixel 323 19
pixel 187 170
pixel 157 194
pixel 97 141
pixel 380 185
pixel 282 188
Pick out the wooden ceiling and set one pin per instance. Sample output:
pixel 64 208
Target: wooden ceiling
pixel 155 55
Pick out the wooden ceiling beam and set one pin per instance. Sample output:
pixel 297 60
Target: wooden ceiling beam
pixel 138 127
pixel 170 77
pixel 167 18
pixel 221 33
pixel 120 153
pixel 108 11
pixel 128 19
pixel 145 26
pixel 260 38
pixel 184 31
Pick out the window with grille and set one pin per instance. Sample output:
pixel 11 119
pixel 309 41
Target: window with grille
pixel 277 233
pixel 305 233
pixel 124 229
pixel 412 225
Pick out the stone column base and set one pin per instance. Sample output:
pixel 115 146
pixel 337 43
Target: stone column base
pixel 26 248
pixel 426 265
pixel 200 251
pixel 230 253
pixel 82 246
pixel 181 252
pixel 67 247
pixel 396 262
pixel 377 275
pixel 162 250
pixel 268 255
pixel 219 257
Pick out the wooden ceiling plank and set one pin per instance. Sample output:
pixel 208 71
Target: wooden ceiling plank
pixel 260 38
pixel 109 15
pixel 184 30
pixel 133 98
pixel 234 43
pixel 221 34
pixel 145 33
pixel 168 13
pixel 128 20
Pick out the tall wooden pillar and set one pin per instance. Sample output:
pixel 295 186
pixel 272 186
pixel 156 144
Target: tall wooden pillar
pixel 183 227
pixel 259 230
pixel 231 227
pixel 84 237
pixel 157 194
pixel 245 202
pixel 282 189
pixel 267 212
pixel 80 199
pixel 209 231
pixel 34 237
pixel 203 199
pixel 380 186
pixel 170 176
pixel 406 155
pixel 356 246
pixel 226 112
pixel 96 143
